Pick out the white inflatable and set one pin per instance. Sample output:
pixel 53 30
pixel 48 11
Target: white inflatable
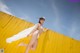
pixel 21 34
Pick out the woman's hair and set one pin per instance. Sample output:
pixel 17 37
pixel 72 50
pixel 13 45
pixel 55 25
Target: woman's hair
pixel 41 18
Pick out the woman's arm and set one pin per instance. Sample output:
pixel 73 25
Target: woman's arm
pixel 41 28
pixel 44 29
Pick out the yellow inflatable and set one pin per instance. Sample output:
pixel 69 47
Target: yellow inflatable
pixel 48 42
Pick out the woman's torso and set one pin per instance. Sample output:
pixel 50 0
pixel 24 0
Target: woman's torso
pixel 38 32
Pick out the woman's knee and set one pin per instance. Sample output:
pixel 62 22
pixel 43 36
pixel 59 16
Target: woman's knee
pixel 32 48
pixel 29 45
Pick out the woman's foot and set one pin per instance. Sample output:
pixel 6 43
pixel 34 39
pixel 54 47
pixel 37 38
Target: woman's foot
pixel 23 44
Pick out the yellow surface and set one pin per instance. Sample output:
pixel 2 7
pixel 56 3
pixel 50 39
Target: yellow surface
pixel 48 42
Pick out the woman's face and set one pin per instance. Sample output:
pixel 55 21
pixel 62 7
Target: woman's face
pixel 41 21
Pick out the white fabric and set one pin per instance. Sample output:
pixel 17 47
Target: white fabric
pixel 21 34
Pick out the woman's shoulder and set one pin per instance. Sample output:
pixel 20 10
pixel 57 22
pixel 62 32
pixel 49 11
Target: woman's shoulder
pixel 38 24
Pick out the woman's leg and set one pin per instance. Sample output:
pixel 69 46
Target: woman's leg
pixel 30 45
pixel 23 44
pixel 34 45
pixel 32 42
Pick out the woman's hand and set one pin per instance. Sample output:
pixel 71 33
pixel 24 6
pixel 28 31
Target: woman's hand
pixel 46 29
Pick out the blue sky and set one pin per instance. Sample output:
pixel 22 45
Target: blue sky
pixel 62 16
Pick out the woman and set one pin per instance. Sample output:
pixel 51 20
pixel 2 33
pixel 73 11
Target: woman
pixel 35 31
